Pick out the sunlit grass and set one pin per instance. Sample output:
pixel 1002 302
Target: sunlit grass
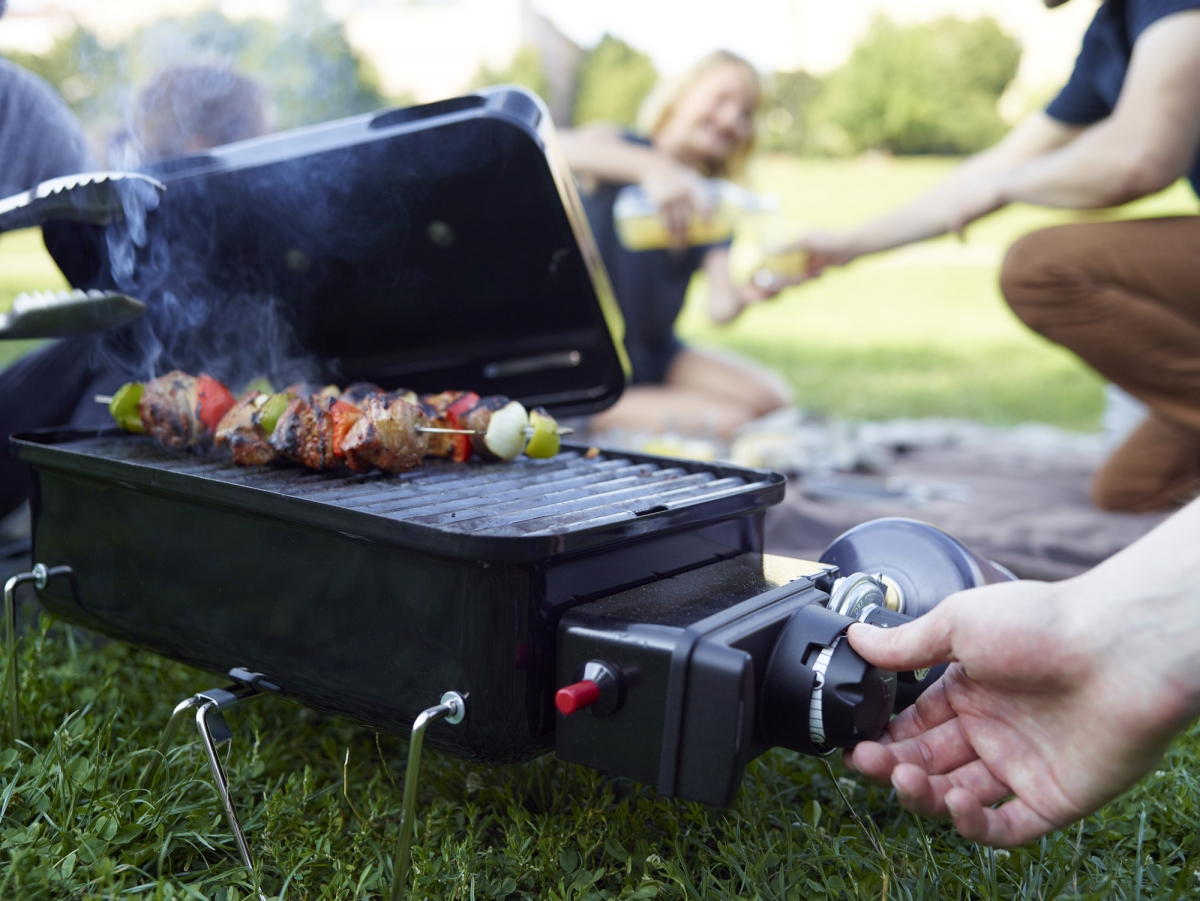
pixel 24 266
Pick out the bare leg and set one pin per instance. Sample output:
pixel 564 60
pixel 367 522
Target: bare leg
pixel 705 393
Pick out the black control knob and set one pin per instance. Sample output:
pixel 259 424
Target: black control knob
pixel 852 700
pixel 911 683
pixel 818 693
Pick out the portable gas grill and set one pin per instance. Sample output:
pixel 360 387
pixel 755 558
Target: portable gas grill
pixel 615 607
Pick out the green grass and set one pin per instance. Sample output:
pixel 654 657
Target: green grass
pixel 74 823
pixel 24 266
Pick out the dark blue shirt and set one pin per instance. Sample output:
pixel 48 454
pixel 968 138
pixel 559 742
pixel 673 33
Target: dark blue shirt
pixel 651 286
pixel 1092 92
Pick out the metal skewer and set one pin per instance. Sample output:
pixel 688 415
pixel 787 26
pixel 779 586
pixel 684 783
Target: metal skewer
pixel 105 399
pixel 434 430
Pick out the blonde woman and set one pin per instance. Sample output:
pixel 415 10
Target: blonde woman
pixel 698 126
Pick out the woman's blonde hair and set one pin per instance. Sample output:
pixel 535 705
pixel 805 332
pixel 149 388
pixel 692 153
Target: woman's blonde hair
pixel 659 106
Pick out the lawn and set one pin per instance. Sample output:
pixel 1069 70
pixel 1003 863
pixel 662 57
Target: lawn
pixel 917 332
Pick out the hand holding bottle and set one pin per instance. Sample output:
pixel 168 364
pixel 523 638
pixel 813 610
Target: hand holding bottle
pixel 679 195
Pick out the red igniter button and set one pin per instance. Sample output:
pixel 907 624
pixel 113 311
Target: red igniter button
pixel 573 698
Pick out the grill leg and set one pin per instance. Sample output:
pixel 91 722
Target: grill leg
pixel 40 576
pixel 214 762
pixel 164 743
pixel 210 723
pixel 452 709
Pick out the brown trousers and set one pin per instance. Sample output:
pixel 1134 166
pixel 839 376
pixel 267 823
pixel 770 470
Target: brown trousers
pixel 1125 296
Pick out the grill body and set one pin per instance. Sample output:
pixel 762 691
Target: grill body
pixel 368 597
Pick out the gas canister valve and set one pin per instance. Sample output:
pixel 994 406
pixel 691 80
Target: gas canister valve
pixel 598 688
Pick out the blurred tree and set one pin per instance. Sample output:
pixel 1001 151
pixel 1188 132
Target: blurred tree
pixel 786 111
pixel 86 73
pixel 304 61
pixel 525 70
pixel 930 88
pixel 614 79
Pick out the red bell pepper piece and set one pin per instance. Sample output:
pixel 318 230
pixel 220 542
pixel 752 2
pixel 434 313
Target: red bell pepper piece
pixel 460 445
pixel 213 401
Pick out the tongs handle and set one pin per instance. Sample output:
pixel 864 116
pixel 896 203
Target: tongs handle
pixel 60 314
pixel 91 197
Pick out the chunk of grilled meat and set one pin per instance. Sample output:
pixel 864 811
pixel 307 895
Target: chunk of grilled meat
pixel 309 389
pixel 386 437
pixel 304 432
pixel 477 418
pixel 169 410
pixel 435 406
pixel 360 391
pixel 242 431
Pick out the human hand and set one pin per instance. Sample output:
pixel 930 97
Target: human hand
pixel 819 251
pixel 679 194
pixel 1058 697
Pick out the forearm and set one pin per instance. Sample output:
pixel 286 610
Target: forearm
pixel 1144 603
pixel 937 211
pixel 924 218
pixel 1104 167
pixel 724 304
pixel 604 155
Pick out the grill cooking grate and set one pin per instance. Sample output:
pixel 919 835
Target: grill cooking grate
pixel 522 498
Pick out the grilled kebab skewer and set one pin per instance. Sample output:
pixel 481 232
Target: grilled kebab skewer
pixel 321 428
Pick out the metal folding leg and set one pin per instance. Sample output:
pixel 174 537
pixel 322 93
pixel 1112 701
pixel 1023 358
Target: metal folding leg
pixel 209 707
pixel 40 576
pixel 452 709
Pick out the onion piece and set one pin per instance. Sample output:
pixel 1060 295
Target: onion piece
pixel 505 435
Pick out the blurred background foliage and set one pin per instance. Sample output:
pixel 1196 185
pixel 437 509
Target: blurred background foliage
pixel 614 79
pixel 525 70
pixel 932 88
pixel 304 60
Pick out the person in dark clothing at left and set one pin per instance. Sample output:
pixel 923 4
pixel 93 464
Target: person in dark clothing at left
pixel 183 110
pixel 40 139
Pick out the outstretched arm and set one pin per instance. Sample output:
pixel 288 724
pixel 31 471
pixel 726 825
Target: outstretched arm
pixel 1148 142
pixel 1059 696
pixel 942 209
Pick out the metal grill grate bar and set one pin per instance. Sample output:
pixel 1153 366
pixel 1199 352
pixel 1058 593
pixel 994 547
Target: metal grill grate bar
pixel 466 497
pixel 598 514
pixel 525 497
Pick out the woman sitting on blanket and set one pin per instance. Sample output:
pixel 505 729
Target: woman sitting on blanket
pixel 698 126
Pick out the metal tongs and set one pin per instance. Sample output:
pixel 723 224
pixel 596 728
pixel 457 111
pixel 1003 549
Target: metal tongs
pixel 60 314
pixel 91 197
pixel 94 198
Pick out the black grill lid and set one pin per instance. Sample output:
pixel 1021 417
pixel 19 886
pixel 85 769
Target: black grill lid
pixel 431 247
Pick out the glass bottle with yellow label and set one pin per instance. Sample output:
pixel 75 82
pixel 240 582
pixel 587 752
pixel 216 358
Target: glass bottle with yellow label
pixel 640 227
